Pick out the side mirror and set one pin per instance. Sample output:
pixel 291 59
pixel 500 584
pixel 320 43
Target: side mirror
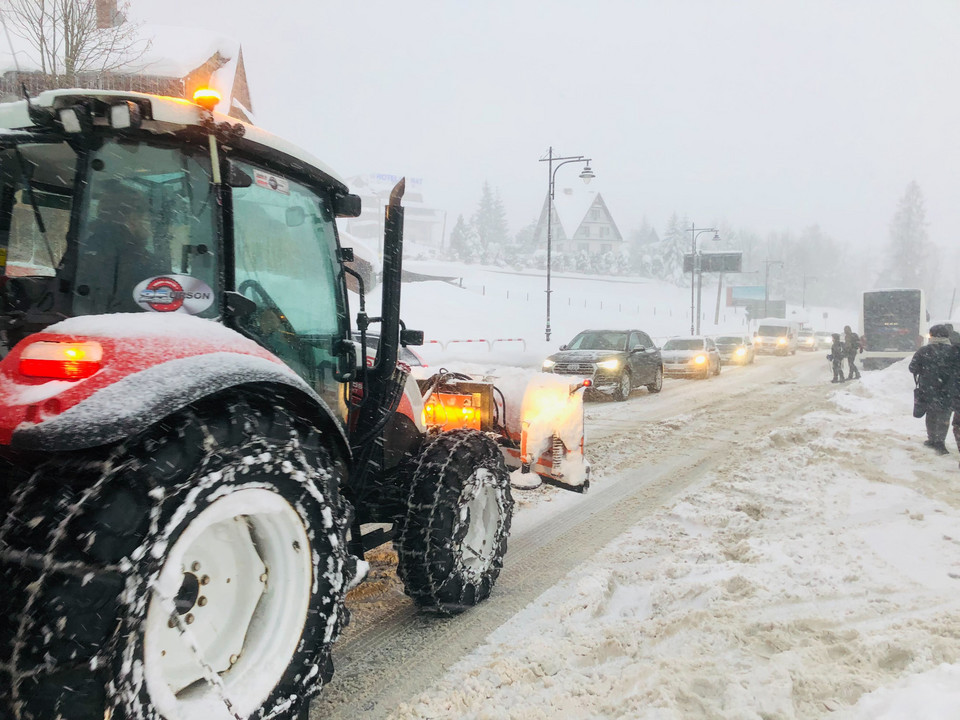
pixel 563 347
pixel 411 337
pixel 346 205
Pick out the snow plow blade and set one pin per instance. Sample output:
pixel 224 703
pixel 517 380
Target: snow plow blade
pixel 539 421
pixel 548 434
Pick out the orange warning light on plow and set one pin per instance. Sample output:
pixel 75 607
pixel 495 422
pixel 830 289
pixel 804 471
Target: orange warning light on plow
pixel 448 411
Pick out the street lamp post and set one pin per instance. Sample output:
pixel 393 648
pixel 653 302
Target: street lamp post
pixel 695 232
pixel 766 281
pixel 586 175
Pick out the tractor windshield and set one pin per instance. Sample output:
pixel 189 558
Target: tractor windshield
pixel 125 226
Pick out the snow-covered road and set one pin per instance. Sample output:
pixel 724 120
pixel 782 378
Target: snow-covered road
pixel 751 547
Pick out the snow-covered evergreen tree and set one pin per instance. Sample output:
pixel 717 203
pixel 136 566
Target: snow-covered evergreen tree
pixel 490 219
pixel 909 255
pixel 464 243
pixel 668 262
pixel 643 242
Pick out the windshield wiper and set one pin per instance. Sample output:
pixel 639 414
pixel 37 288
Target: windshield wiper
pixel 33 203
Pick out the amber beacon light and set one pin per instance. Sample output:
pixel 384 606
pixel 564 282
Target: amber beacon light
pixel 207 98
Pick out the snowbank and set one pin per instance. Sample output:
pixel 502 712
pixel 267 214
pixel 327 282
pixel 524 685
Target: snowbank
pixel 816 575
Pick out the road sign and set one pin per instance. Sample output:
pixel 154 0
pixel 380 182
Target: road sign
pixel 741 295
pixel 726 262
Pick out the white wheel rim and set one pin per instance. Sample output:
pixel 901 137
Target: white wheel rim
pixel 480 509
pixel 249 556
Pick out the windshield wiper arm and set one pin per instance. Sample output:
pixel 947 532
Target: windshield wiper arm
pixel 34 205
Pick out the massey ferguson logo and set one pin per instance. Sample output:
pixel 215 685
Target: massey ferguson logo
pixel 173 293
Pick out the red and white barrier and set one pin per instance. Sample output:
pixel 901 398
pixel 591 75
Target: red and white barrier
pixel 444 344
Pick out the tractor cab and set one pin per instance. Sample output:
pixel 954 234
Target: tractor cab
pixel 120 203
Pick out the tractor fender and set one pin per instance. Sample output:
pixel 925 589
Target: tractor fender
pixel 133 403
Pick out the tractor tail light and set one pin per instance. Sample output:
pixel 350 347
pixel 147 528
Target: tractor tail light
pixel 61 360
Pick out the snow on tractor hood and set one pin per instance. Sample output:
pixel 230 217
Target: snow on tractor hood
pixel 152 365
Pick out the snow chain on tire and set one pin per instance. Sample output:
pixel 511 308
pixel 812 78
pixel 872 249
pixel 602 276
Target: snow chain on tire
pixel 451 543
pixel 86 538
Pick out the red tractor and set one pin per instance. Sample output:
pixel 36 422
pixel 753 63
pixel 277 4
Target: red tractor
pixel 192 445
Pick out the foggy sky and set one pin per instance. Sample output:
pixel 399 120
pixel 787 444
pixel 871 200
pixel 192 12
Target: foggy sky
pixel 761 115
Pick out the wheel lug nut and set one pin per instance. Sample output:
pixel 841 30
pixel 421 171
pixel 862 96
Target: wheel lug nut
pixel 205 580
pixel 263 578
pixel 201 601
pixel 172 623
pixel 195 566
pixel 189 618
pixel 233 659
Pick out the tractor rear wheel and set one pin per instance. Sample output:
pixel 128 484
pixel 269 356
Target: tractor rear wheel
pixel 451 543
pixel 195 572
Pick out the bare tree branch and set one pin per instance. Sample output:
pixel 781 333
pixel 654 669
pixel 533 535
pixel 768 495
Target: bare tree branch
pixel 65 40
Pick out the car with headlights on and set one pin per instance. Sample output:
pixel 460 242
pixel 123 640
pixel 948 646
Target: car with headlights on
pixel 806 340
pixel 694 356
pixel 824 340
pixel 735 349
pixel 615 361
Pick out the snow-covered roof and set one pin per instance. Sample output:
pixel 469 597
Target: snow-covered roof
pixel 174 51
pixel 572 204
pixel 166 111
pixel 167 51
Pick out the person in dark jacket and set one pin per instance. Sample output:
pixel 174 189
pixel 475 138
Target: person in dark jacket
pixel 934 367
pixel 851 346
pixel 118 243
pixel 836 358
pixel 955 385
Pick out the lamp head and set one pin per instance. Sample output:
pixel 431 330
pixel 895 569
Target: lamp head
pixel 587 175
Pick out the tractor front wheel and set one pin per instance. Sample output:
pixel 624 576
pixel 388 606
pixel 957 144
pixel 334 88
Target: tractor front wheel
pixel 451 543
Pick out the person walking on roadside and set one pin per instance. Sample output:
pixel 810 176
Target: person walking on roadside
pixel 954 338
pixel 836 358
pixel 851 346
pixel 934 367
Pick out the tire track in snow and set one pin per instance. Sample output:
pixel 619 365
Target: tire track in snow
pixel 395 653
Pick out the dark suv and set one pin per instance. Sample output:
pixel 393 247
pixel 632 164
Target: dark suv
pixel 616 361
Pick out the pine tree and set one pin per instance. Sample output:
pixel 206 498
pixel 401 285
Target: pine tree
pixel 526 238
pixel 909 255
pixel 490 219
pixel 464 243
pixel 643 241
pixel 670 251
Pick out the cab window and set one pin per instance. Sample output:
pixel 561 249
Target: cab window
pixel 285 262
pixel 147 237
pixel 43 172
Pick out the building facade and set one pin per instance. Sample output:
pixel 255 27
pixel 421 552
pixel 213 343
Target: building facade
pixel 581 222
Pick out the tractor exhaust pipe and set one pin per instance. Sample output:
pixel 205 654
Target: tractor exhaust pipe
pixel 386 359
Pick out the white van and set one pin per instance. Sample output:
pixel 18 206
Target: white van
pixel 776 336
